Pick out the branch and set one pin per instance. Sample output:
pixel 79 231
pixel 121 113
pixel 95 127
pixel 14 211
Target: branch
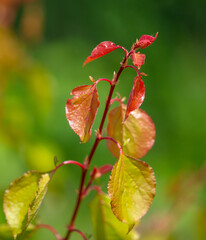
pixel 112 139
pixel 51 229
pixel 130 66
pixel 68 162
pixel 80 233
pixel 88 160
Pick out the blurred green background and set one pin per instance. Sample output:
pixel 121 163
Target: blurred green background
pixel 43 45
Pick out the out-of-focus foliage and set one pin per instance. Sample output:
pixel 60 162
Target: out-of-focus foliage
pixel 40 63
pixel 182 193
pixel 5 232
pixel 105 224
pixel 26 98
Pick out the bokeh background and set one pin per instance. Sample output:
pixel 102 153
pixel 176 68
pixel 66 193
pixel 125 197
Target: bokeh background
pixel 43 45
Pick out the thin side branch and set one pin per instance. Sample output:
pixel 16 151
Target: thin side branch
pixel 68 162
pixel 51 229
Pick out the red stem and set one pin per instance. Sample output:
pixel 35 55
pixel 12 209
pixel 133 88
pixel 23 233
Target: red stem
pixel 112 139
pixel 51 229
pixel 93 187
pixel 84 172
pixel 125 51
pixel 69 162
pixel 105 80
pixel 130 66
pixel 80 233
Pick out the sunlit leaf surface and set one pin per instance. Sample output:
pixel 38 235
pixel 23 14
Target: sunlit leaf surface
pixel 81 110
pixel 131 189
pixel 146 40
pixel 101 50
pixel 23 198
pixel 136 135
pixel 136 96
pixel 106 226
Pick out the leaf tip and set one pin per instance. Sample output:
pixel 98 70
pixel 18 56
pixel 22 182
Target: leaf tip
pixel 85 62
pixel 130 227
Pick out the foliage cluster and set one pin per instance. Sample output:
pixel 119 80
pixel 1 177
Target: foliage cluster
pixel 130 135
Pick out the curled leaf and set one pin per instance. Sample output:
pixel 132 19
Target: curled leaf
pixel 23 198
pixel 131 189
pixel 102 49
pixel 138 59
pixel 146 40
pixel 136 135
pixel 136 96
pixel 106 226
pixel 81 110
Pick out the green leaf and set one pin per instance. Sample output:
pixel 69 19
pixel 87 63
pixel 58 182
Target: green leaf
pixel 136 135
pixel 23 198
pixel 81 110
pixel 106 226
pixel 39 196
pixel 131 189
pixel 6 234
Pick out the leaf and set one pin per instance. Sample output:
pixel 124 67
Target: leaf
pixel 106 226
pixel 131 189
pixel 39 196
pixel 138 59
pixel 81 110
pixel 23 198
pixel 6 234
pixel 136 135
pixel 145 41
pixel 103 170
pixel 102 49
pixel 136 96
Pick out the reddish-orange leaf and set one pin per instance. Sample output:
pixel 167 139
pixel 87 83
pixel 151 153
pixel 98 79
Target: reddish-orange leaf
pixel 81 110
pixel 102 49
pixel 146 40
pixel 103 170
pixel 136 96
pixel 138 59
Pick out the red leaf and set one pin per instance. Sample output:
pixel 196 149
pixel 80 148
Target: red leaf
pixel 102 49
pixel 138 59
pixel 146 40
pixel 136 96
pixel 103 170
pixel 81 110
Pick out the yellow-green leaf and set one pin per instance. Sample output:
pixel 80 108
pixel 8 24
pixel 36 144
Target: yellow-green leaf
pixel 39 195
pixel 136 135
pixel 131 189
pixel 23 198
pixel 106 226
